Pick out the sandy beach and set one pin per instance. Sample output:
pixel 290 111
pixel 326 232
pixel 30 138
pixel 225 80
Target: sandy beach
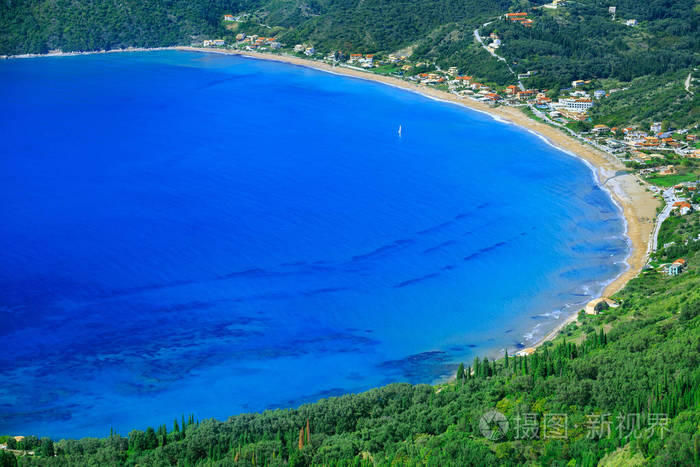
pixel 90 52
pixel 629 192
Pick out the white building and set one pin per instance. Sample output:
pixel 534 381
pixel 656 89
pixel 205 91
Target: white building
pixel 599 93
pixel 631 22
pixel 655 127
pixel 299 48
pixel 213 43
pixel 309 51
pixel 576 105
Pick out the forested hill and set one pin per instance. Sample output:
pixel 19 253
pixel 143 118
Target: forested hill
pixel 578 40
pixel 620 388
pixel 583 40
pixel 38 26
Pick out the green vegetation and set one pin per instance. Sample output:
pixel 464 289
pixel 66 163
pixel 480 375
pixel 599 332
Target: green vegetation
pixel 671 180
pixel 580 127
pixel 627 382
pixel 650 98
pixel 387 70
pixel 355 26
pixel 681 233
pixel 28 26
pixel 581 41
pixel 528 111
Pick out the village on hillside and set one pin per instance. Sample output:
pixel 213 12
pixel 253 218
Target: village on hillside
pixel 656 151
pixel 667 158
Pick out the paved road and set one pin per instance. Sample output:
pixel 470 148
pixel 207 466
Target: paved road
pixel 490 50
pixel 670 198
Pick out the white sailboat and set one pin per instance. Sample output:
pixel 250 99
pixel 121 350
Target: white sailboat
pixel 399 131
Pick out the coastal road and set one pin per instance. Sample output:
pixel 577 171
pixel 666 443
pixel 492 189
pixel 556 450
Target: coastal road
pixel 608 153
pixel 669 197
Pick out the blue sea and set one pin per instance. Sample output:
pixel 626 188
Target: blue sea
pixel 197 233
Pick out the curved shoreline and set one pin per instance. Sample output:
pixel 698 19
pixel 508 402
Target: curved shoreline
pixel 627 191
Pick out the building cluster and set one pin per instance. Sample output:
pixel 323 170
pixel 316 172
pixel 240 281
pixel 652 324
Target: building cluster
pixel 520 17
pixel 305 49
pixel 365 61
pixel 684 193
pixel 645 146
pixel 467 86
pixel 255 42
pixel 572 105
pixel 247 42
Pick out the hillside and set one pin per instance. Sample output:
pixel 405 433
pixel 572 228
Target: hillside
pixel 582 40
pixel 28 26
pixel 575 40
pixel 620 388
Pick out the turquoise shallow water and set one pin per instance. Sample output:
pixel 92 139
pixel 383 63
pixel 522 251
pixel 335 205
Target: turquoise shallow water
pixel 212 234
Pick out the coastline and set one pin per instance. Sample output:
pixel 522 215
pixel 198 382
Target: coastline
pixel 89 52
pixel 628 192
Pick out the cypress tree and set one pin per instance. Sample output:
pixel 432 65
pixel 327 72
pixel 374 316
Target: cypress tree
pixel 460 372
pixel 506 358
